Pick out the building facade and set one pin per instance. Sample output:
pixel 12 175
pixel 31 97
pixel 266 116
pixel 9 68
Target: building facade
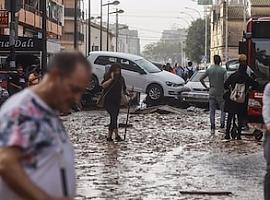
pixel 238 15
pixel 30 21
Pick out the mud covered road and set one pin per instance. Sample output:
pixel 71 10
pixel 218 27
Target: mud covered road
pixel 163 155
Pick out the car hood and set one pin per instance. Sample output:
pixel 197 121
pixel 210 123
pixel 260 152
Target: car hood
pixel 167 76
pixel 196 86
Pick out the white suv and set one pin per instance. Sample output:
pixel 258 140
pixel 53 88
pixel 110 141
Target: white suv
pixel 138 73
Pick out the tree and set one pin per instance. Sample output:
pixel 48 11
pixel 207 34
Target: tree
pixel 195 41
pixel 163 51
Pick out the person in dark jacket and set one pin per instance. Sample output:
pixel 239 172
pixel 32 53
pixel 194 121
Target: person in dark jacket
pixel 114 85
pixel 231 107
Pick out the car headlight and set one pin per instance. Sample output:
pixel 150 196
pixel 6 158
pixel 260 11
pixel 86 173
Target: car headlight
pixel 171 84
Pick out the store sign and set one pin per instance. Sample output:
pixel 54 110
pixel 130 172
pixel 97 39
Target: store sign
pixel 205 2
pixel 3 19
pixel 21 44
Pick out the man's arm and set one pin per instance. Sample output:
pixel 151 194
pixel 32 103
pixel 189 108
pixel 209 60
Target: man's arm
pixel 15 177
pixel 266 107
pixel 202 80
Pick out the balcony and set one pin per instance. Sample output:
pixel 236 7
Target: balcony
pixel 34 20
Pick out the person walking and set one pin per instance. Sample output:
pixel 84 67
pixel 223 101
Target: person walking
pixel 114 88
pixel 189 70
pixel 217 76
pixel 237 85
pixel 266 117
pixel 36 156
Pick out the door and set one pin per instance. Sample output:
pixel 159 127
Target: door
pixel 133 76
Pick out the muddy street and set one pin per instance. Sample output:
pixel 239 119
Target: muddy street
pixel 163 155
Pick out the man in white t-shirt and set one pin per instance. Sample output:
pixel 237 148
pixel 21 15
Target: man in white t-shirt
pixel 36 156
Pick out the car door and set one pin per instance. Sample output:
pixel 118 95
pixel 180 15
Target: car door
pixel 133 76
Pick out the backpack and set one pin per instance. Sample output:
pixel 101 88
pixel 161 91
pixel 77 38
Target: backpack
pixel 238 94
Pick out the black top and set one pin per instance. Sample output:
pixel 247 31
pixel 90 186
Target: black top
pixel 240 78
pixel 114 91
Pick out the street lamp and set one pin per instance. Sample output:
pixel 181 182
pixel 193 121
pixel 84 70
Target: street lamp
pixel 193 9
pixel 101 13
pixel 117 12
pixel 184 13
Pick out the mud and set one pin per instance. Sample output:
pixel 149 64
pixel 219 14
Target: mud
pixel 163 155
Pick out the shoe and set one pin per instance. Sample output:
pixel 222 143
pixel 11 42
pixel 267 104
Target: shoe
pixel 213 131
pixel 109 139
pixel 227 137
pixel 118 139
pixel 239 138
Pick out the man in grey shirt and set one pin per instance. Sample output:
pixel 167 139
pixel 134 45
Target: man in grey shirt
pixel 217 76
pixel 266 117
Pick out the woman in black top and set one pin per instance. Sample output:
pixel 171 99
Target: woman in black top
pixel 233 108
pixel 114 85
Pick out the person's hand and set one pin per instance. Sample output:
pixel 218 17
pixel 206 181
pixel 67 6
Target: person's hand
pixel 112 76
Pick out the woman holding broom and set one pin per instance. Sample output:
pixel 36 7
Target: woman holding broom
pixel 114 88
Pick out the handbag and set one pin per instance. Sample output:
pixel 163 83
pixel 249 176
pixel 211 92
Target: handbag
pixel 124 99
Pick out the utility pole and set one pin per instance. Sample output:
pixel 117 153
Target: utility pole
pixel 117 30
pixel 12 37
pixel 227 31
pixel 101 7
pixel 108 26
pixel 76 24
pixel 89 28
pixel 206 36
pixel 44 35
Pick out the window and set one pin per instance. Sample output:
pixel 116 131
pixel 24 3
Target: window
pixel 129 65
pixel 105 60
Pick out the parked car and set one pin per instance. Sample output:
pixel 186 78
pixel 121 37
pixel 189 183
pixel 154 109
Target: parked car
pixel 195 92
pixel 139 74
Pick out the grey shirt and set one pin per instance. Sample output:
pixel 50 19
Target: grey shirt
pixel 217 76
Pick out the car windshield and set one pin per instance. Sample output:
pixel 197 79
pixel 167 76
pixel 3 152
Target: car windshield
pixel 148 66
pixel 197 76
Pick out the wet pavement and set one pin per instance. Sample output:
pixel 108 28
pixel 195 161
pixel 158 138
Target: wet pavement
pixel 163 155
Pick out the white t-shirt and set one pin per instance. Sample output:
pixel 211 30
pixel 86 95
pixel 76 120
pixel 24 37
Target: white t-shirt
pixel 29 123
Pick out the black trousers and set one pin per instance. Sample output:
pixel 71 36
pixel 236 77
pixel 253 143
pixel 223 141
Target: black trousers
pixel 231 119
pixel 113 111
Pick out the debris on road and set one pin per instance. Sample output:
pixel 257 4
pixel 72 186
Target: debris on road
pixel 165 109
pixel 215 193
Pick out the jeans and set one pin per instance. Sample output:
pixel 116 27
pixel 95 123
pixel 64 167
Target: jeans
pixel 214 103
pixel 267 158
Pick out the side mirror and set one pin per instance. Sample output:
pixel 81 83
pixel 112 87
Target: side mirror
pixel 243 48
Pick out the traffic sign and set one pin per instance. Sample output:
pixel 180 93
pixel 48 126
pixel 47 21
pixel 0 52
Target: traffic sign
pixel 205 2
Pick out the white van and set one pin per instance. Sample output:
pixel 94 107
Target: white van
pixel 138 73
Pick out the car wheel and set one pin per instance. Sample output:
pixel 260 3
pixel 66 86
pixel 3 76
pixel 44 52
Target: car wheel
pixel 155 92
pixel 93 85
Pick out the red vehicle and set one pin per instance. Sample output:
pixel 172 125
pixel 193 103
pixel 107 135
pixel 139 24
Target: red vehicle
pixel 256 45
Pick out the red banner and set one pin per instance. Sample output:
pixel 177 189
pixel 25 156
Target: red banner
pixel 3 19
